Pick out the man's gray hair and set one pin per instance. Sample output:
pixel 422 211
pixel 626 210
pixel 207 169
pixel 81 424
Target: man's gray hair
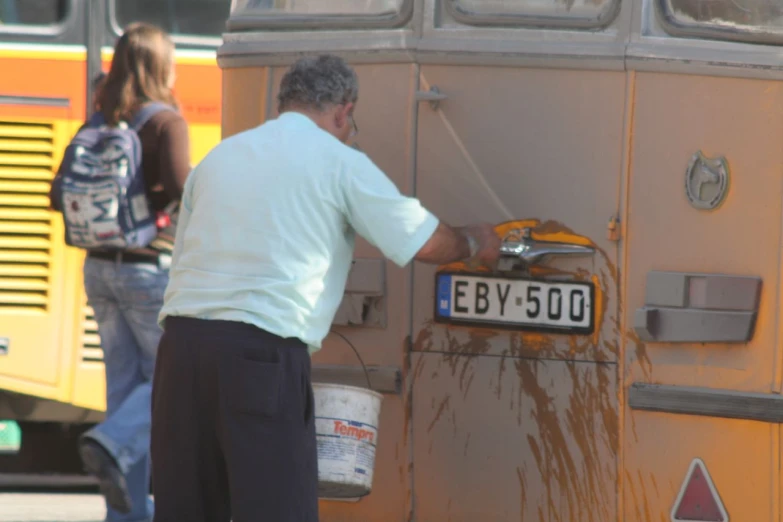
pixel 317 82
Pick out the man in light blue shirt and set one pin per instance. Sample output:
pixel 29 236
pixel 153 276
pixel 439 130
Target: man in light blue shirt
pixel 263 248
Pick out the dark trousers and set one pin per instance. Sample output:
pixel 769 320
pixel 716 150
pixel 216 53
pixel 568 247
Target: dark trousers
pixel 233 433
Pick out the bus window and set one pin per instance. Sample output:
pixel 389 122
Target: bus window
pixel 205 18
pixel 33 12
pixel 320 7
pixel 758 21
pixel 555 13
pixel 318 14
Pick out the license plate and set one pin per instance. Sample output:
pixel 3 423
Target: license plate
pixel 524 304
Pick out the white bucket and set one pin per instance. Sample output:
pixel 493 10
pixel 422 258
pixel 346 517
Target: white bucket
pixel 346 428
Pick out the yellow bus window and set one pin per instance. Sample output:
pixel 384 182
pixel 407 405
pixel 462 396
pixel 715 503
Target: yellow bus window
pixel 33 12
pixel 744 20
pixel 583 13
pixel 178 17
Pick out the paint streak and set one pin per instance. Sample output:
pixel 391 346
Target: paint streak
pixel 407 380
pixel 522 491
pixel 643 496
pixel 442 408
pixel 576 455
pixel 640 359
pixel 573 436
pixel 407 407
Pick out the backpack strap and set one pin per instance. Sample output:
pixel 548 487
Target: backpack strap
pixel 96 120
pixel 147 112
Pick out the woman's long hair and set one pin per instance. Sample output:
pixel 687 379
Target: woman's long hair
pixel 140 72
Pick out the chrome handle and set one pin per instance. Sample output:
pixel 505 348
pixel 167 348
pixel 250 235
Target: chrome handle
pixel 433 96
pixel 525 250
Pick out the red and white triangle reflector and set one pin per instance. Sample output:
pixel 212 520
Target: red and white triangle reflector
pixel 698 500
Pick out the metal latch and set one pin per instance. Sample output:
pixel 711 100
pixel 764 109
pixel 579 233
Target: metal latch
pixel 433 96
pixel 519 250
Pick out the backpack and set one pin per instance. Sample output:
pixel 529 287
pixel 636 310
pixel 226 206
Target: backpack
pixel 101 187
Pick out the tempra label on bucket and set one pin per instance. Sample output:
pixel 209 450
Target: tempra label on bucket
pixel 349 445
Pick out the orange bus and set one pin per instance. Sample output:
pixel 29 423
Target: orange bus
pixel 51 370
pixel 623 363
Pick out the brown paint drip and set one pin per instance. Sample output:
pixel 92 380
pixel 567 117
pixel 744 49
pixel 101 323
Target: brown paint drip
pixel 467 385
pixel 419 368
pixel 522 491
pixel 446 339
pixel 566 482
pixel 640 497
pixel 575 465
pixel 407 402
pixel 501 370
pixel 407 407
pixel 641 357
pixel 641 360
pixel 409 502
pixel 424 342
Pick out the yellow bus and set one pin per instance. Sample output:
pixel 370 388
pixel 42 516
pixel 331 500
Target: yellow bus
pixel 51 370
pixel 624 361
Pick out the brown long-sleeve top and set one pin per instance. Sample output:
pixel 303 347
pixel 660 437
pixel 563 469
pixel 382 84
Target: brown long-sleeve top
pixel 165 157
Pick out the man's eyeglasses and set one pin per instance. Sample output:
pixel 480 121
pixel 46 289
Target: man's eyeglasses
pixel 355 129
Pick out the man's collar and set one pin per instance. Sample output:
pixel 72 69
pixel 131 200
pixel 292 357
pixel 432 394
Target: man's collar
pixel 298 118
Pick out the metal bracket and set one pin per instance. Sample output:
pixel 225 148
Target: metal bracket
pixel 364 298
pixel 684 307
pixel 433 96
pixel 520 250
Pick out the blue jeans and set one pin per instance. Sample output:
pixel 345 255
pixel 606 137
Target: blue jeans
pixel 126 299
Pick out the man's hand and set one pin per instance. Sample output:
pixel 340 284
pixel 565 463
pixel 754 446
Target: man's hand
pixel 487 241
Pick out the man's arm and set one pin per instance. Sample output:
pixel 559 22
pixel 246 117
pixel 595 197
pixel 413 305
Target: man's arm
pixel 446 245
pixel 450 244
pixel 403 229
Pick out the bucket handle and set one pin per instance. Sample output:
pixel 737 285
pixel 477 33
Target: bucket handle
pixel 361 361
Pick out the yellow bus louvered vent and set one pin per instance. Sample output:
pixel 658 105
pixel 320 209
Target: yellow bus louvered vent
pixel 91 343
pixel 26 171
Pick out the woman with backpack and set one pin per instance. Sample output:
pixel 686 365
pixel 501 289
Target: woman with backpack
pixel 116 205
